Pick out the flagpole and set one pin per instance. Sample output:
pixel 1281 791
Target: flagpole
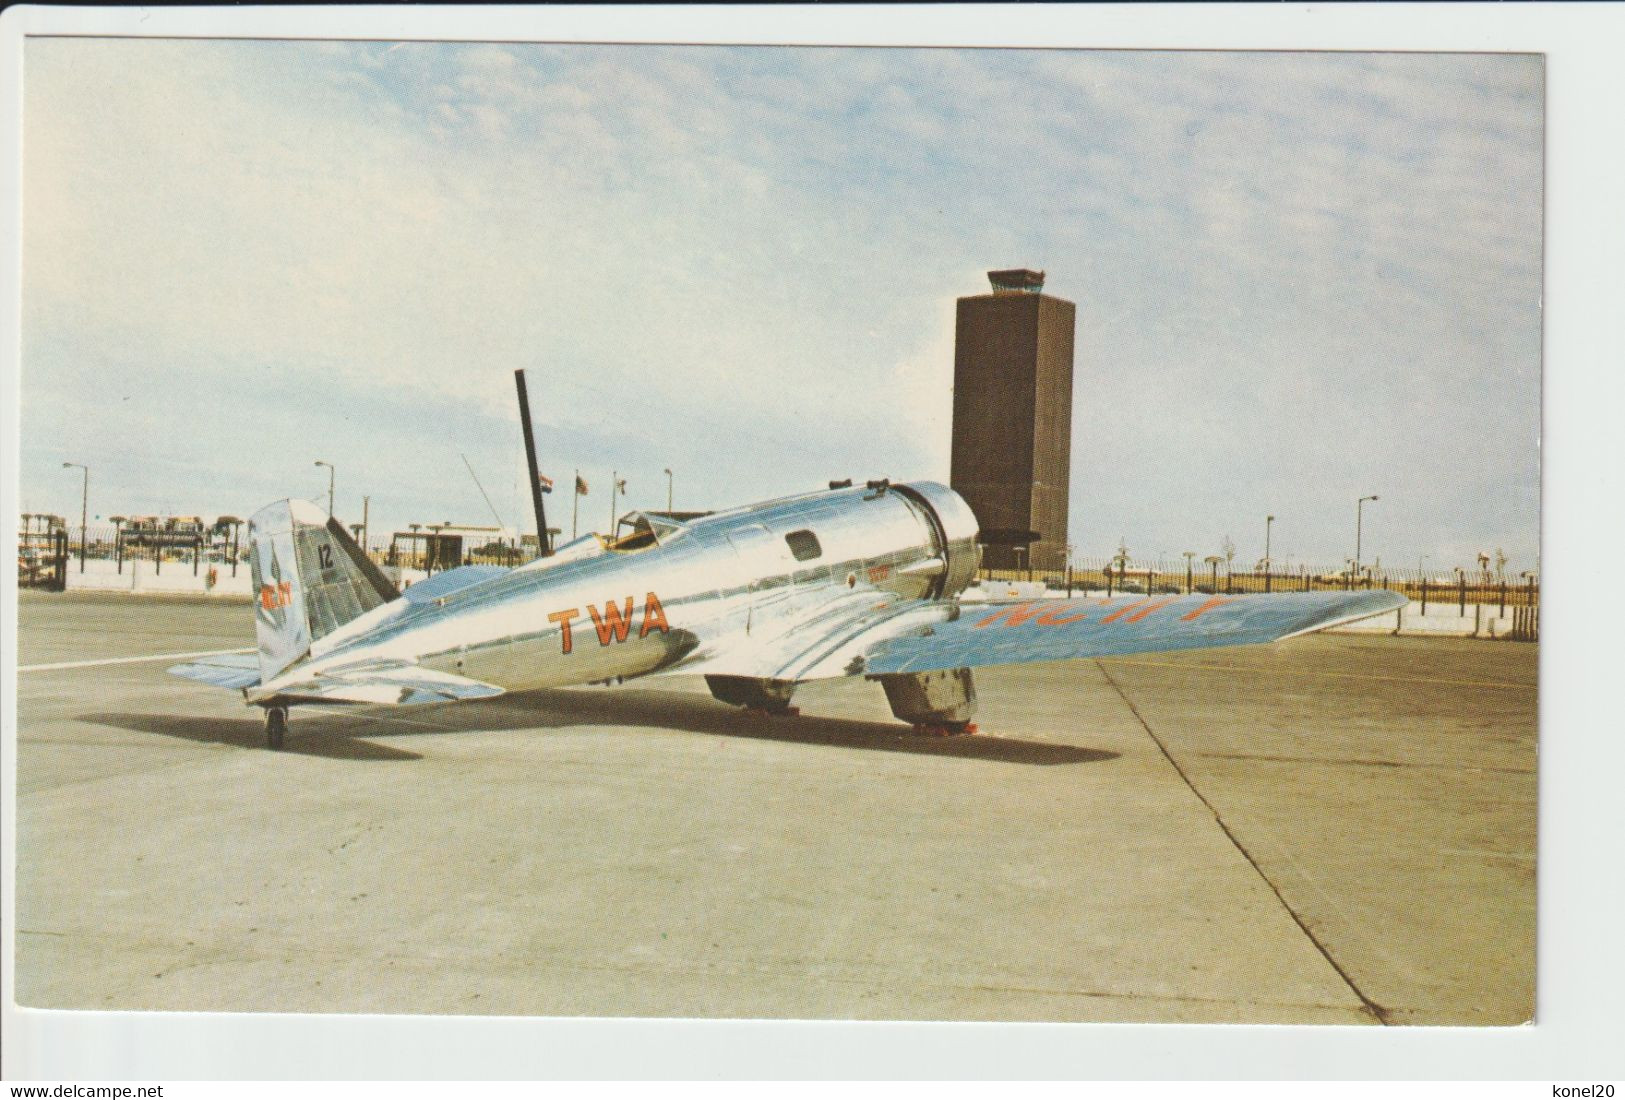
pixel 575 504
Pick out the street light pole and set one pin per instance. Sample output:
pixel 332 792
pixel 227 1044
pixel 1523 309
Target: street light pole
pixel 84 509
pixel 331 472
pixel 668 490
pixel 1269 522
pixel 1359 507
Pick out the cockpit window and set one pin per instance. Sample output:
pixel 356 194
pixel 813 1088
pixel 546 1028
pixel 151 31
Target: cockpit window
pixel 632 533
pixel 804 545
pixel 665 528
pixel 641 530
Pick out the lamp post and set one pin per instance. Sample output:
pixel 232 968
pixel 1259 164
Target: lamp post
pixel 668 490
pixel 1359 507
pixel 1269 522
pixel 331 473
pixel 234 523
pixel 1190 557
pixel 84 508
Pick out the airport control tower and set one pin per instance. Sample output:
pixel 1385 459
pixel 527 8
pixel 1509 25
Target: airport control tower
pixel 1012 433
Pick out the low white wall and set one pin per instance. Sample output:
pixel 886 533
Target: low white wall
pixel 175 577
pixel 144 576
pixel 1442 619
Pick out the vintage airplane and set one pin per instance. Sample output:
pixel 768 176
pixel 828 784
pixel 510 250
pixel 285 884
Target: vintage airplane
pixel 853 581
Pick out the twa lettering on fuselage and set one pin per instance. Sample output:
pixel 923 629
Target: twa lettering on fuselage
pixel 614 623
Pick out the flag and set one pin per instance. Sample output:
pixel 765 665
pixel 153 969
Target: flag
pixel 545 482
pixel 581 486
pixel 620 486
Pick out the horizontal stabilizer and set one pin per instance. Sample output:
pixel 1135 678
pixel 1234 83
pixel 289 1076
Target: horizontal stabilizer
pixel 395 685
pixel 1058 630
pixel 227 670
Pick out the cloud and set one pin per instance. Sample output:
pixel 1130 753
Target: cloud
pixel 1294 272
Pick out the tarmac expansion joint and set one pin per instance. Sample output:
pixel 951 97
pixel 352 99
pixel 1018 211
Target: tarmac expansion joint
pixel 1367 1005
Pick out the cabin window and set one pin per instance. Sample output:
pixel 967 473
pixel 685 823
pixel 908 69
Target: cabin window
pixel 804 545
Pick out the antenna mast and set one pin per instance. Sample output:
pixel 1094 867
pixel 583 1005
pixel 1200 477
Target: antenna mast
pixel 543 544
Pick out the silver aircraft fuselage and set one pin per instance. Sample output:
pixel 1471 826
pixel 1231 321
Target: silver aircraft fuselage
pixel 670 594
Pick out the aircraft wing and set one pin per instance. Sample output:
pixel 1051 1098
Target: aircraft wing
pixel 876 638
pixel 837 624
pixel 397 684
pixel 1058 630
pixel 227 670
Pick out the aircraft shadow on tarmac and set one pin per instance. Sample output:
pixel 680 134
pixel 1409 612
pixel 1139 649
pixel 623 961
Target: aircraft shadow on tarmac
pixel 343 734
pixel 328 734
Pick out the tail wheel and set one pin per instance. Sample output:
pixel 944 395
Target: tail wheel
pixel 276 726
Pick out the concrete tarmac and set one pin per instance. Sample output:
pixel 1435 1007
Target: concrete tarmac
pixel 1332 830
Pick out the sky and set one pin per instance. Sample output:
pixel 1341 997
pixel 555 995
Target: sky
pixel 1300 279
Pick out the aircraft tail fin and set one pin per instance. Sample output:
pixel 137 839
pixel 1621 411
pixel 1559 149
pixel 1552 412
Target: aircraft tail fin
pixel 310 578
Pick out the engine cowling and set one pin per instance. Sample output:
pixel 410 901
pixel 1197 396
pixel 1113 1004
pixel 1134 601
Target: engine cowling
pixel 955 529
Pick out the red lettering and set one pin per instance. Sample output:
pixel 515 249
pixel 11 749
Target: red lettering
pixel 1053 616
pixel 614 623
pixel 1014 615
pixel 267 597
pixel 1216 601
pixel 563 619
pixel 285 591
pixel 654 616
pixel 1119 613
pixel 1146 609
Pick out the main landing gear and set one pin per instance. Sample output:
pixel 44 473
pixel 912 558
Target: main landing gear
pixel 276 726
pixel 760 697
pixel 936 704
pixel 940 704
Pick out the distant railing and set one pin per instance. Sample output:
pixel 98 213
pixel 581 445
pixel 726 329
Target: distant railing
pixel 225 552
pixel 437 553
pixel 42 559
pixel 161 549
pixel 1113 577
